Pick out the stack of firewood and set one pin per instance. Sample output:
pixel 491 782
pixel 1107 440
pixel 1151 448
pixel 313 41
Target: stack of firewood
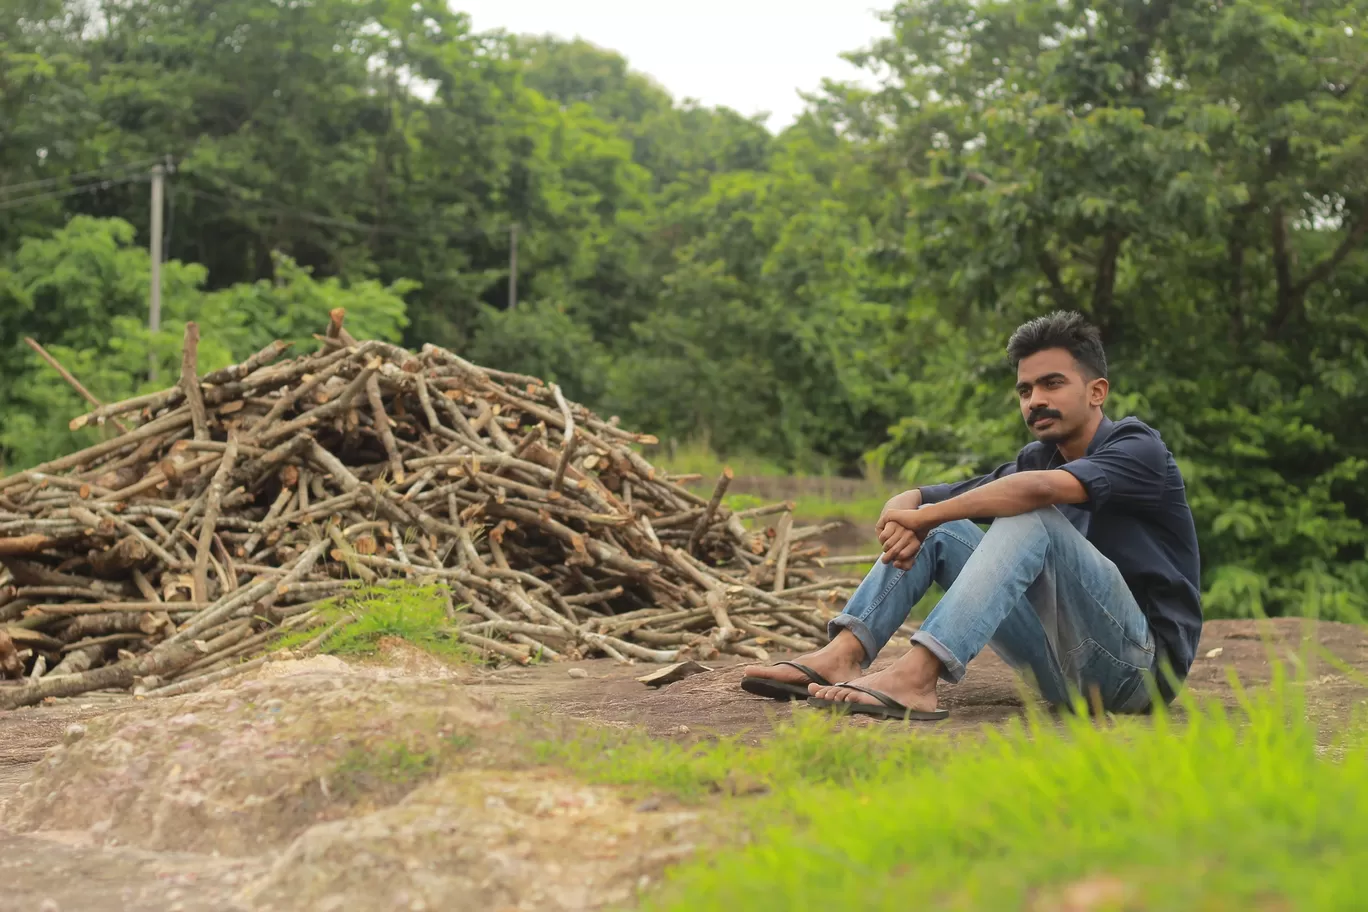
pixel 230 509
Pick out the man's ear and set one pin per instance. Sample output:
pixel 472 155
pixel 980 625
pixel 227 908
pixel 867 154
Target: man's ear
pixel 1097 391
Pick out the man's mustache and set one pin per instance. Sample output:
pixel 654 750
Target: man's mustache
pixel 1041 414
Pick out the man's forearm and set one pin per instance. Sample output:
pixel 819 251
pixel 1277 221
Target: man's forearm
pixel 1009 496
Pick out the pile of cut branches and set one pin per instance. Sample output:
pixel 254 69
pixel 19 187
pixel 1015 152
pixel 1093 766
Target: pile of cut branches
pixel 227 511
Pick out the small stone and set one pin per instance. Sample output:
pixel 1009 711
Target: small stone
pixel 74 732
pixel 49 905
pixel 1215 652
pixel 683 729
pixel 577 673
pixel 649 805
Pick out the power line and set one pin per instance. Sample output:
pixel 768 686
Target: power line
pixel 48 181
pixel 61 194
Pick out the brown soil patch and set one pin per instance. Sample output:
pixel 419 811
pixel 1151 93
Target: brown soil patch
pixel 713 703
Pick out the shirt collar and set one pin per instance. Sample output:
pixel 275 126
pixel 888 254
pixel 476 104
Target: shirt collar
pixel 1103 432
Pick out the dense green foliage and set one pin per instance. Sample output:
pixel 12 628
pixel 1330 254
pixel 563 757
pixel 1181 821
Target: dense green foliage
pixel 1193 175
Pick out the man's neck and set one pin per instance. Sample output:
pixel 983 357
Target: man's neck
pixel 1077 446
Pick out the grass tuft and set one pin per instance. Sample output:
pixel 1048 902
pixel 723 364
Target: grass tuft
pixel 1209 809
pixel 415 613
pixel 808 750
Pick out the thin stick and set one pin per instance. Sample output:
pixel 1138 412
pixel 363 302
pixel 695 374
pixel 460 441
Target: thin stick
pixel 782 545
pixel 211 516
pixel 164 425
pixel 69 378
pixel 705 520
pixel 494 646
pixel 383 426
pixel 236 372
pixel 568 444
pixel 81 608
pixel 189 381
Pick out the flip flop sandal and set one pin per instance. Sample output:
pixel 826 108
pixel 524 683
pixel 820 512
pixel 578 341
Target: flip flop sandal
pixel 782 690
pixel 890 708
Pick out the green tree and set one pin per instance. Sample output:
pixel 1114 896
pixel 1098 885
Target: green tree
pixel 83 295
pixel 1194 178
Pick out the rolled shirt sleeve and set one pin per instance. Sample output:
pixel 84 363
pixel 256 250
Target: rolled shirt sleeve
pixel 1130 468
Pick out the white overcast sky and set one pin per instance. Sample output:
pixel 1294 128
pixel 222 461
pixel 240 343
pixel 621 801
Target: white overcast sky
pixel 750 55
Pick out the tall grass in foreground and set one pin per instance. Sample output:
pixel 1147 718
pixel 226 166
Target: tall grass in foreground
pixel 1208 812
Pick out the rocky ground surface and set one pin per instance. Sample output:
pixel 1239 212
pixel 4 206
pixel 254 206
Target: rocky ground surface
pixel 295 789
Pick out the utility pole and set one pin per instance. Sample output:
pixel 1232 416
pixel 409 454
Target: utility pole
pixel 155 249
pixel 513 266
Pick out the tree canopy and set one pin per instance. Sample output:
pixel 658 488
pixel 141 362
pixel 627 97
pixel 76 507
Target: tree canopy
pixel 1191 175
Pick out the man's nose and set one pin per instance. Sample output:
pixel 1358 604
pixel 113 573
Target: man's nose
pixel 1037 399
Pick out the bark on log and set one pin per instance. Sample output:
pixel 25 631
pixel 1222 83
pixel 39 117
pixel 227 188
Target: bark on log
pixel 120 675
pixel 189 381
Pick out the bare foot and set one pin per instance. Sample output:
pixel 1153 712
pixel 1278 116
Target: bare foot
pixel 838 660
pixel 911 680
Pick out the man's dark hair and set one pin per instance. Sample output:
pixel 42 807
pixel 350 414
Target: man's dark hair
pixel 1061 329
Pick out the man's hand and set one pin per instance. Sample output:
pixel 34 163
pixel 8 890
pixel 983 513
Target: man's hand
pixel 900 543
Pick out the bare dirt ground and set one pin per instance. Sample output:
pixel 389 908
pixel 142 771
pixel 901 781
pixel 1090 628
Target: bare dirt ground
pixel 266 794
pixel 713 703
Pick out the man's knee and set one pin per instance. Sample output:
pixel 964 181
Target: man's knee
pixel 960 532
pixel 1027 525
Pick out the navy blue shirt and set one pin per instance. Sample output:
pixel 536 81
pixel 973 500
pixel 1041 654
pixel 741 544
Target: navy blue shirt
pixel 1137 516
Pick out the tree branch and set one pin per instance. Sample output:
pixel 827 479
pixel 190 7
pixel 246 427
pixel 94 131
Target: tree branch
pixel 1057 289
pixel 1282 265
pixel 1348 87
pixel 1321 271
pixel 1104 285
pixel 1236 246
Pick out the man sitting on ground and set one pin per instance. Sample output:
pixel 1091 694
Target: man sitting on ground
pixel 1086 580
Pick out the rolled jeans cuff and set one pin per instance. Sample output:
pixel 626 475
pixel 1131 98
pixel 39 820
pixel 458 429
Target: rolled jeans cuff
pixel 862 633
pixel 952 669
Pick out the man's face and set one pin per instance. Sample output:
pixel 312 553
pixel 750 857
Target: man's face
pixel 1056 398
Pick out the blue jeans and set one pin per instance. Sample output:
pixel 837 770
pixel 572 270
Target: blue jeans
pixel 1035 590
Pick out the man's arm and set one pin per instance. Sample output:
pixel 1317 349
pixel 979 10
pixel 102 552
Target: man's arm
pixel 1009 496
pixel 902 531
pixel 940 492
